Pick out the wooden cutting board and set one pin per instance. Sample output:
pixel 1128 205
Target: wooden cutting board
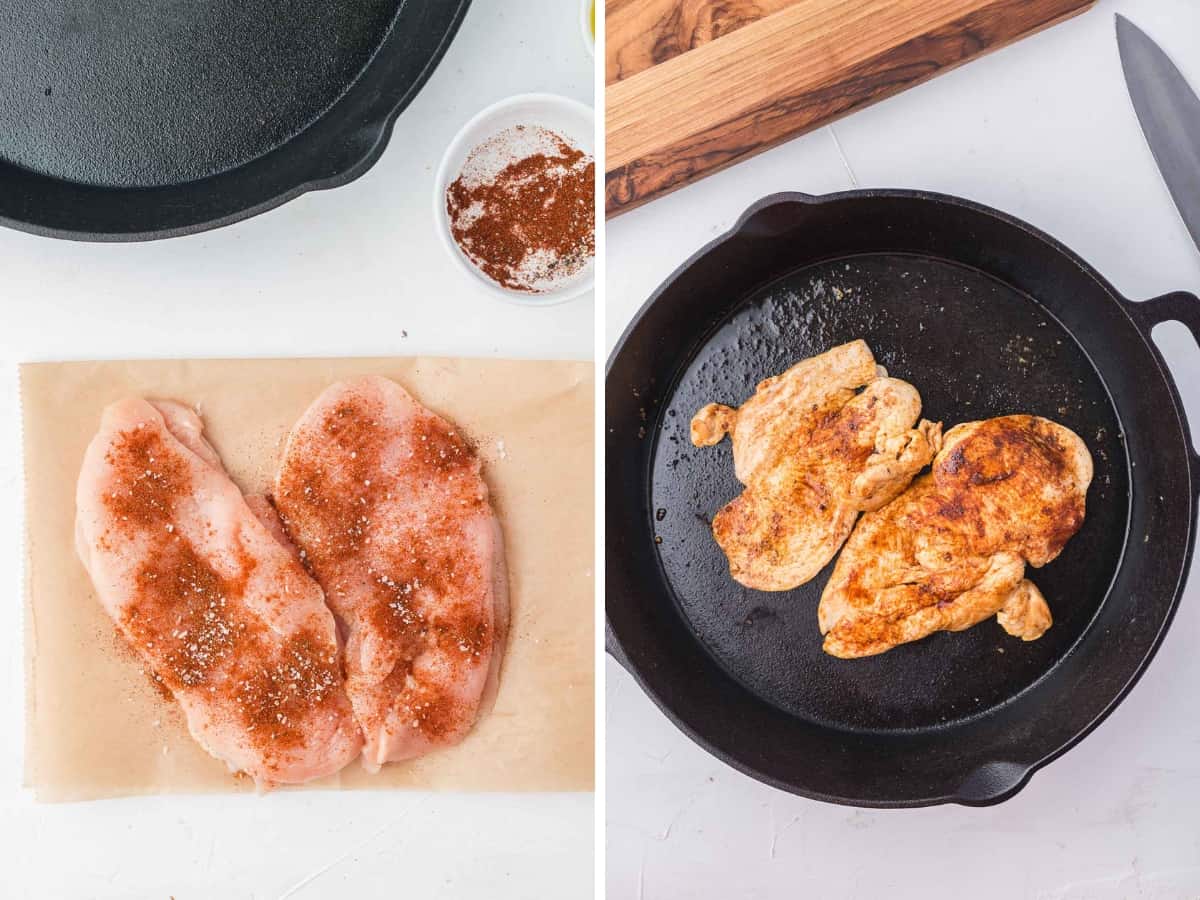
pixel 693 86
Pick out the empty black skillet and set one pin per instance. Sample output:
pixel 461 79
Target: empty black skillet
pixel 985 316
pixel 140 119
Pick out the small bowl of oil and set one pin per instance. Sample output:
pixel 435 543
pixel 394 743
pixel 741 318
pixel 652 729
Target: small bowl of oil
pixel 587 24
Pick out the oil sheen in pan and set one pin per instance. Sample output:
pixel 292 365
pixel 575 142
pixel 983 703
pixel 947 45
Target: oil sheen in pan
pixel 974 348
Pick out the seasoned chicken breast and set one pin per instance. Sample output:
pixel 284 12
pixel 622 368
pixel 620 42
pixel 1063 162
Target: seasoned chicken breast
pixel 218 608
pixel 951 550
pixel 813 451
pixel 388 505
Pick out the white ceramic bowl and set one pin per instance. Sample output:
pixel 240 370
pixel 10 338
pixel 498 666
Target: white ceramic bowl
pixel 569 118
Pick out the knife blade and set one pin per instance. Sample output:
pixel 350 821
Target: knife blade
pixel 1169 113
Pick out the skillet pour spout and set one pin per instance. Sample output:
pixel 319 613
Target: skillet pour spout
pixel 986 316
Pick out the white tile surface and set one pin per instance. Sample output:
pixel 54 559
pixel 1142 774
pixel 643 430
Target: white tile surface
pixel 1045 131
pixel 343 272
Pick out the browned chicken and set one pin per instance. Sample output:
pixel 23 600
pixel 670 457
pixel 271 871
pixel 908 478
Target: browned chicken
pixel 813 452
pixel 951 550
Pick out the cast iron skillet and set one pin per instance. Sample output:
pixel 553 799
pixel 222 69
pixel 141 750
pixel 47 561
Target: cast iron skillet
pixel 140 119
pixel 986 316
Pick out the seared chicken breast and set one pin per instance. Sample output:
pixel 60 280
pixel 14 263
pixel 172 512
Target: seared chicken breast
pixel 951 550
pixel 815 446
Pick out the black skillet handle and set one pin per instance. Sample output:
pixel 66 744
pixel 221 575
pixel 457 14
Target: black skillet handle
pixel 1178 306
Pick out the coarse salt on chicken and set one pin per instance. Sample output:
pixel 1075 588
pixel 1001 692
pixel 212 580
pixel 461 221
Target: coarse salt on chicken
pixel 388 504
pixel 224 618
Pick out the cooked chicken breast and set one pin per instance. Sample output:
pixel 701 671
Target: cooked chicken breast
pixel 951 550
pixel 813 452
pixel 223 615
pixel 388 504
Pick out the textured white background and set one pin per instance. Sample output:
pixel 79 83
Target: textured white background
pixel 1044 130
pixel 345 272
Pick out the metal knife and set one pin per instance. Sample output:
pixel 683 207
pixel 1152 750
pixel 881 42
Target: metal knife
pixel 1169 112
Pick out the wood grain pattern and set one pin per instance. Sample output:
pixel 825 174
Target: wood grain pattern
pixel 639 35
pixel 790 71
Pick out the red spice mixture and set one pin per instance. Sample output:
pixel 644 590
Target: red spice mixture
pixel 423 597
pixel 191 622
pixel 523 209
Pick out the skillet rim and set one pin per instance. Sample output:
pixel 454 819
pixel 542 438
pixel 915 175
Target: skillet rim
pixel 1140 317
pixel 373 134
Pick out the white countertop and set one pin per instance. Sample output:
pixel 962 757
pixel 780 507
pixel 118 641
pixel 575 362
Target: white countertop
pixel 1045 131
pixel 355 271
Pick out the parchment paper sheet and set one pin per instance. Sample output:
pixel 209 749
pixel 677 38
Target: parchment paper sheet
pixel 96 727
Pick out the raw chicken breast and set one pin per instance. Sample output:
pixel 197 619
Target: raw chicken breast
pixel 387 503
pixel 219 610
